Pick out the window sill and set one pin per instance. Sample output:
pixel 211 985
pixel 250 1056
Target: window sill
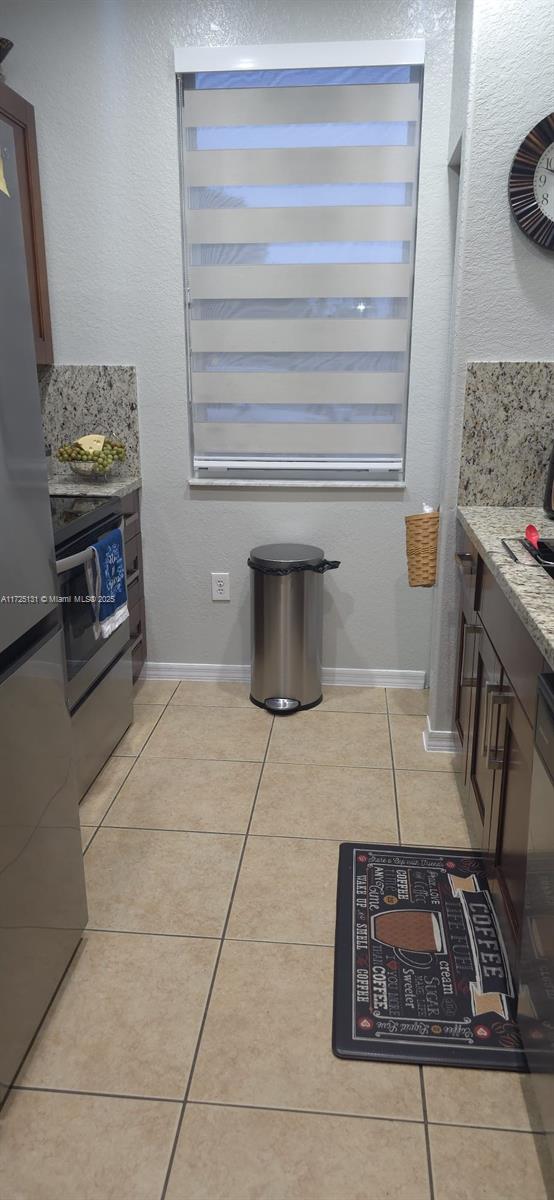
pixel 300 484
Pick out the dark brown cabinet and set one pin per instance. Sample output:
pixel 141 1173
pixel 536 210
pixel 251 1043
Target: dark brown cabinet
pixel 135 581
pixel 465 692
pixel 484 748
pixel 468 634
pixel 498 667
pixel 510 813
pixel 18 113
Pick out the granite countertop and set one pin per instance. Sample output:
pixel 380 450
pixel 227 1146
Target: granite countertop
pixel 72 485
pixel 530 590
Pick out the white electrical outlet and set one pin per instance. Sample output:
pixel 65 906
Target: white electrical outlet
pixel 221 586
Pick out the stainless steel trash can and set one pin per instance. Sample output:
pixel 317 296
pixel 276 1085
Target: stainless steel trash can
pixel 286 604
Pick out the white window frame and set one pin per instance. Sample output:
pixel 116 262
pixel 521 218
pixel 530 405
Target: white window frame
pixel 291 56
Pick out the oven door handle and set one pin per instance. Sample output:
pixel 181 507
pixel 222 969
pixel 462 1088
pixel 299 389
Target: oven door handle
pixel 74 560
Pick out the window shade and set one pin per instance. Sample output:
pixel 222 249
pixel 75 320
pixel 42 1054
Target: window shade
pixel 299 192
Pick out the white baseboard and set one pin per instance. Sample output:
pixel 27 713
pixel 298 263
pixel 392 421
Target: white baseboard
pixel 202 672
pixel 441 741
pixel 240 673
pixel 372 677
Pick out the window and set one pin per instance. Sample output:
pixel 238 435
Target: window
pixel 299 216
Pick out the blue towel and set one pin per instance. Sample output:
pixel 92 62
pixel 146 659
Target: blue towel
pixel 111 591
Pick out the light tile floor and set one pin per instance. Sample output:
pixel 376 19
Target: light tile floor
pixel 187 1054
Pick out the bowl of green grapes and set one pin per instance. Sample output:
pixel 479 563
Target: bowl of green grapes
pixel 94 457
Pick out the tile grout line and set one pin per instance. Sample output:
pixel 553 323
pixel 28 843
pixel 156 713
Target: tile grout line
pixel 214 976
pixel 427 1138
pixel 310 1112
pixel 248 702
pixel 323 1112
pixel 154 933
pixel 289 762
pixel 240 833
pixel 97 827
pixel 185 758
pixel 40 1027
pixel 25 1087
pixel 318 708
pixel 232 833
pixel 164 702
pixel 203 937
pixel 131 769
pixel 421 1084
pixel 275 762
pixel 236 833
pixel 420 1069
pixel 272 942
pixel 393 768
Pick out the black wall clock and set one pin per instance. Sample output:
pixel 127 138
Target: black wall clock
pixel 531 184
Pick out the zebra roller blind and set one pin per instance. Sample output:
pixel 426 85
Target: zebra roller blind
pixel 299 195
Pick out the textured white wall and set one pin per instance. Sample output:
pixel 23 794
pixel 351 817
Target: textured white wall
pixel 503 284
pixel 100 74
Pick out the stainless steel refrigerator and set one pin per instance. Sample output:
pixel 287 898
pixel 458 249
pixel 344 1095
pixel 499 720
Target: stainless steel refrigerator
pixel 42 890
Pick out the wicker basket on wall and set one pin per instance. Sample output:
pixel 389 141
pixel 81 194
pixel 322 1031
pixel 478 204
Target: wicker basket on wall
pixel 422 535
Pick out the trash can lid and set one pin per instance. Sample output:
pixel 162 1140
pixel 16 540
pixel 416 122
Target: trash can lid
pixel 286 554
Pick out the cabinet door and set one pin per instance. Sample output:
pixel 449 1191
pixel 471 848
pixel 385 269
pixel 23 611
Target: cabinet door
pixel 483 770
pixel 466 682
pixel 467 566
pixel 510 814
pixel 21 116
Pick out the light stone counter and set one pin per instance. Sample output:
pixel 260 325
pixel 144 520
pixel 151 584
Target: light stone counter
pixel 530 590
pixel 115 485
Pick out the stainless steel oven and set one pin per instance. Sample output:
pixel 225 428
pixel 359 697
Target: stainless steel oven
pixel 98 676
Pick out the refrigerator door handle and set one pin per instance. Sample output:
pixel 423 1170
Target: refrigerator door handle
pixel 74 560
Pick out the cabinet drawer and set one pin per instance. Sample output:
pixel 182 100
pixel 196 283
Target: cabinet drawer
pixel 132 526
pixel 136 623
pixel 134 592
pixel 138 637
pixel 131 515
pixel 138 657
pixel 133 562
pixel 467 561
pixel 521 659
pixel 133 558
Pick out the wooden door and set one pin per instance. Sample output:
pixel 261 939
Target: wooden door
pixel 18 113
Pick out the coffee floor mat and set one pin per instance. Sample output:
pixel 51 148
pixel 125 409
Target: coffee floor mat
pixel 421 972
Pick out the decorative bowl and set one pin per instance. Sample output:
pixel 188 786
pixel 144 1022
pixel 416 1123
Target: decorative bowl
pixel 89 470
pixel 107 458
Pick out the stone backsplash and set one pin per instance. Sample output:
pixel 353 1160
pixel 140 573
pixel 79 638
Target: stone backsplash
pixel 80 400
pixel 508 432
